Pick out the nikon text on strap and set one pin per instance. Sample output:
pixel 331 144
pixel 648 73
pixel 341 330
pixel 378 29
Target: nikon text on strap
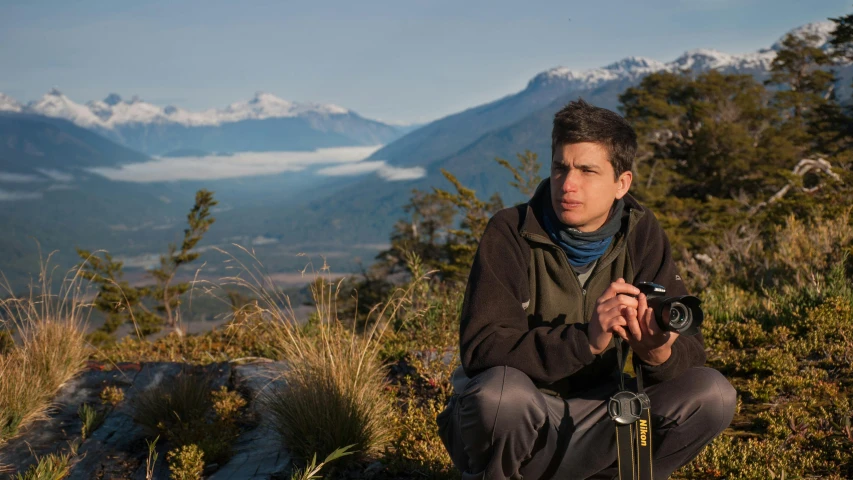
pixel 632 415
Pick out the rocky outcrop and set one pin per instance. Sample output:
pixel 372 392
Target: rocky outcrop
pixel 118 449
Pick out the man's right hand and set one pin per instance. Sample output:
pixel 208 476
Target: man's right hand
pixel 613 315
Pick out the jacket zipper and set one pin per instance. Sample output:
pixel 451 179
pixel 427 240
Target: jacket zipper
pixel 595 270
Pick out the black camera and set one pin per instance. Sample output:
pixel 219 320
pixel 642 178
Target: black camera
pixel 674 314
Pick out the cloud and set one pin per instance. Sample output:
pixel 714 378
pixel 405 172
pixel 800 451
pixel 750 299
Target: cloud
pixel 56 175
pixel 7 196
pixel 352 168
pixel 60 186
pixel 386 172
pixel 393 174
pixel 8 177
pixel 244 164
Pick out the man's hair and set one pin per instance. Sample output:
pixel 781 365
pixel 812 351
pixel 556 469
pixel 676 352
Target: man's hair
pixel 581 122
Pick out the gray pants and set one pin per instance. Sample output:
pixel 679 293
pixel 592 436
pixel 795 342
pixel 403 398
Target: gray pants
pixel 502 426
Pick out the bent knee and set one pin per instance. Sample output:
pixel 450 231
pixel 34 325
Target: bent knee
pixel 718 398
pixel 499 396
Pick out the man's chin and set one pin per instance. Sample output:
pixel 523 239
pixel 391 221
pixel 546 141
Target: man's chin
pixel 569 220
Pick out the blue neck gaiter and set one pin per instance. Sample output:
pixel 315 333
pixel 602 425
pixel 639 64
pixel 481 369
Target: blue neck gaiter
pixel 583 248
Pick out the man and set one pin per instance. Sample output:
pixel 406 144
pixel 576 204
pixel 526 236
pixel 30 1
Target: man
pixel 549 295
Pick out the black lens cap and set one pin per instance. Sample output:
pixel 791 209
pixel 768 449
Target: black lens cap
pixel 626 407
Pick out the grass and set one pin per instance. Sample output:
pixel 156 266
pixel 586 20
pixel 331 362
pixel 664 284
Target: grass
pixel 91 417
pixel 336 392
pixel 313 468
pixel 49 350
pixel 54 466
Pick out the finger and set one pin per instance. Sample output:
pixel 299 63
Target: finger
pixel 621 300
pixel 652 323
pixel 618 287
pixel 611 316
pixel 645 314
pixel 620 332
pixel 633 324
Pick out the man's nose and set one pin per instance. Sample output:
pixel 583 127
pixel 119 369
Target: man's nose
pixel 570 183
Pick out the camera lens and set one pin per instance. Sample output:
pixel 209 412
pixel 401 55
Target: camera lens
pixel 679 316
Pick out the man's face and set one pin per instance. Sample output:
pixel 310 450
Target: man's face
pixel 583 188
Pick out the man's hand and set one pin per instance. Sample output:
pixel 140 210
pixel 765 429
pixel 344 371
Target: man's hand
pixel 647 340
pixel 611 315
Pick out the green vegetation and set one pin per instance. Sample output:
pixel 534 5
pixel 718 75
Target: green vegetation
pixel 112 395
pixel 54 466
pixel 186 462
pixel 92 419
pixel 312 469
pixel 186 411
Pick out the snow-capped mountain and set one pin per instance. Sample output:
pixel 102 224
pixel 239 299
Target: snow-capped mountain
pixel 265 122
pixel 697 60
pixel 114 111
pixel 9 104
pixel 631 67
pixel 55 104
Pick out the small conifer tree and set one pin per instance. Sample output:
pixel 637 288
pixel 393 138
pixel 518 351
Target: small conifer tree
pixel 150 307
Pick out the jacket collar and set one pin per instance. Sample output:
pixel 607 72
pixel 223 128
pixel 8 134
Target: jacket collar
pixel 532 225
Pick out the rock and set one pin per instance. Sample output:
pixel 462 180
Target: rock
pixel 118 448
pixel 257 454
pixel 63 425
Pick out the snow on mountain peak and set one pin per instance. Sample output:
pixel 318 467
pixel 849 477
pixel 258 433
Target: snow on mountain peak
pixel 633 65
pixel 821 31
pixel 9 104
pixel 697 60
pixel 266 105
pixel 702 59
pixel 113 110
pixel 55 104
pixel 629 67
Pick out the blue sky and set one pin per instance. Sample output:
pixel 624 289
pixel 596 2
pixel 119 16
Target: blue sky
pixel 397 61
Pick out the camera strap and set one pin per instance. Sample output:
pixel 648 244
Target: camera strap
pixel 631 412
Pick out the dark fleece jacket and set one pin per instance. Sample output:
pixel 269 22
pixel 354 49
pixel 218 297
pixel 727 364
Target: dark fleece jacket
pixel 525 308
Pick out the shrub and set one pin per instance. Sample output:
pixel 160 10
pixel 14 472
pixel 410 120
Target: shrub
pixel 416 447
pixel 112 395
pixel 186 462
pixel 185 413
pixel 227 404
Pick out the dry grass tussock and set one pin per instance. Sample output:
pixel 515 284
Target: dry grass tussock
pixel 336 392
pixel 48 349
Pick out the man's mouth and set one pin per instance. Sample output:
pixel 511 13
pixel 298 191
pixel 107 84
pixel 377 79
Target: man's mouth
pixel 570 204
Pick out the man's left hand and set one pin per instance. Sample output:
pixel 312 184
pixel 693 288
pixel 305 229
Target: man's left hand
pixel 648 341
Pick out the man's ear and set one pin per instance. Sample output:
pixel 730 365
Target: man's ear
pixel 624 182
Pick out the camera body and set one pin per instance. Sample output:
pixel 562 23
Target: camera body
pixel 680 314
